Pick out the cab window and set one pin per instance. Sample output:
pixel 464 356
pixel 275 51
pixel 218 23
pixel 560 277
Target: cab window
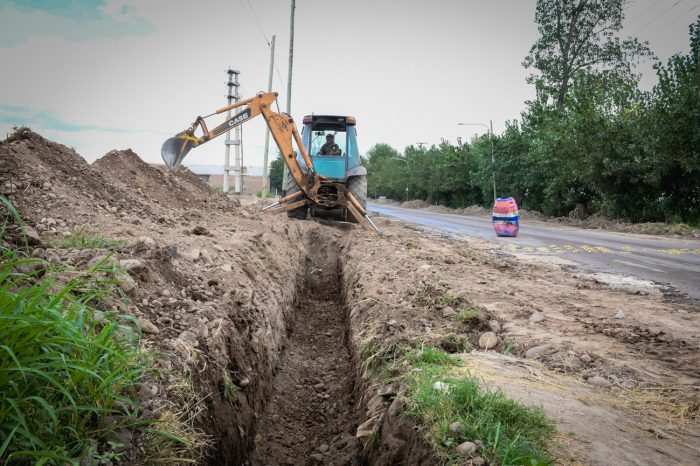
pixel 318 139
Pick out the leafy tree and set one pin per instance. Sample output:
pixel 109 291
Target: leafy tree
pixel 673 128
pixel 276 173
pixel 384 171
pixel 579 35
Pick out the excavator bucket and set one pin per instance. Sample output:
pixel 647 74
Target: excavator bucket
pixel 175 149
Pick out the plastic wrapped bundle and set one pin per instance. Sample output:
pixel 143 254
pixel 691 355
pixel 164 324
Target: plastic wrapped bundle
pixel 505 217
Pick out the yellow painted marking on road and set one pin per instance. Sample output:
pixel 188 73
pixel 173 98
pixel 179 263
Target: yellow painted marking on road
pixel 571 248
pixel 589 249
pixel 528 249
pixel 556 248
pixel 604 250
pixel 626 250
pixel 696 251
pixel 543 249
pixel 675 252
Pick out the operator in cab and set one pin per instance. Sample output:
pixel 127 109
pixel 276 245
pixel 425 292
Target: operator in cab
pixel 330 147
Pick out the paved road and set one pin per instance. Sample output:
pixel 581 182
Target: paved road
pixel 659 259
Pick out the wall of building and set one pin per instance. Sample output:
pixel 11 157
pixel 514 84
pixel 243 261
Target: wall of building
pixel 251 184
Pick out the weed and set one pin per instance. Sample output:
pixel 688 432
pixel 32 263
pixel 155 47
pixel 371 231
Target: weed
pixel 373 439
pixel 82 238
pixel 230 389
pixel 370 357
pixel 172 438
pixel 468 316
pixel 65 365
pixel 454 344
pixel 451 299
pixel 112 455
pixel 511 433
pixel 509 347
pixel 431 356
pixel 425 296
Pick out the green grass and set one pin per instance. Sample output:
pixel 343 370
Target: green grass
pixel 64 365
pixel 431 357
pixel 82 238
pixel 511 433
pixel 467 316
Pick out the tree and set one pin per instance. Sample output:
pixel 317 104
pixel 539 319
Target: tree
pixel 383 166
pixel 579 36
pixel 276 173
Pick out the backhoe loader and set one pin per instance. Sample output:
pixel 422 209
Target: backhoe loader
pixel 334 190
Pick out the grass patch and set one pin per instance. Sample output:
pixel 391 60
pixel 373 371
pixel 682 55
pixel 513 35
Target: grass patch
pixel 511 433
pixel 381 360
pixel 468 316
pixel 65 365
pixel 432 357
pixel 82 238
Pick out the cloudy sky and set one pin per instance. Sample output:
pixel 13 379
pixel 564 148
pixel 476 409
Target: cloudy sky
pixel 113 74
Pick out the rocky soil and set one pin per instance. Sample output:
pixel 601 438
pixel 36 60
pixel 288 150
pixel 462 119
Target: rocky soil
pixel 264 328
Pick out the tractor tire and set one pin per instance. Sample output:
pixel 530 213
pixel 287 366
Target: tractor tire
pixel 292 187
pixel 357 185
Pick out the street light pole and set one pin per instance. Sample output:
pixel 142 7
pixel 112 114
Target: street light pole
pixel 489 129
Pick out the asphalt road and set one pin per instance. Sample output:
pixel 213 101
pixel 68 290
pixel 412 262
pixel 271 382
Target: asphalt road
pixel 663 260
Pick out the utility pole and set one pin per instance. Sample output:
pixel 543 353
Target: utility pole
pixel 285 173
pixel 493 161
pixel 266 178
pixel 231 95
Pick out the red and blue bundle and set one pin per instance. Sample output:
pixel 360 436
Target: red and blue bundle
pixel 505 217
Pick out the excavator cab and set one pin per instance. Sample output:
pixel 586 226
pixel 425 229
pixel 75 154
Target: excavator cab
pixel 342 170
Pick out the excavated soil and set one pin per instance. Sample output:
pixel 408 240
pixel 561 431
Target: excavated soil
pixel 258 324
pixel 310 417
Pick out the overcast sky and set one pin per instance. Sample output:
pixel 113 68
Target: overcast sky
pixel 114 74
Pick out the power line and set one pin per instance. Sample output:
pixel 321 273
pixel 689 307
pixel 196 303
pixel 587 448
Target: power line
pixel 645 10
pixel 254 18
pixel 681 16
pixel 258 22
pixel 658 16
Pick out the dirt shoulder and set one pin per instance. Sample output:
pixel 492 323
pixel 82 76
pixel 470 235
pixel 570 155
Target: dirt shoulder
pixel 614 366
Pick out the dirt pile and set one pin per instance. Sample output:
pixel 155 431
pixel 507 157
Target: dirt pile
pixel 54 188
pixel 179 189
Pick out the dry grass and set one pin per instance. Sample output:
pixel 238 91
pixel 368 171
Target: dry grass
pixel 173 438
pixel 660 411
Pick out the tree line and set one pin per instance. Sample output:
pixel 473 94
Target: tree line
pixel 590 141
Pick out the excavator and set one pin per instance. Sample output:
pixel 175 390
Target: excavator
pixel 334 190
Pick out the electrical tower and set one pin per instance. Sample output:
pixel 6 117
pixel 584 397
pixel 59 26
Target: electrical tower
pixel 233 96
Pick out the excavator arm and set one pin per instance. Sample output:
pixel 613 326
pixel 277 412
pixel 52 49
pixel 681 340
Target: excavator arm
pixel 283 131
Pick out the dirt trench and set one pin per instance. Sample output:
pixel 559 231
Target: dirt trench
pixel 310 417
pixel 315 401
